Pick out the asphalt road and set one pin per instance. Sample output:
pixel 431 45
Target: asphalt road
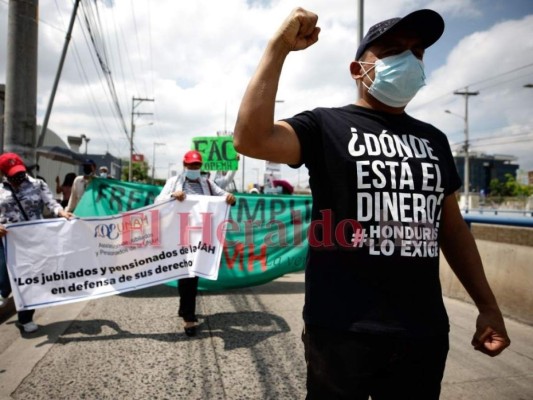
pixel 132 346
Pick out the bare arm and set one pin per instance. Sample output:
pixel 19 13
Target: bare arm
pixel 59 188
pixel 256 135
pixel 460 250
pixel 74 197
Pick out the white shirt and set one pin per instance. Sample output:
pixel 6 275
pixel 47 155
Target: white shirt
pixel 78 188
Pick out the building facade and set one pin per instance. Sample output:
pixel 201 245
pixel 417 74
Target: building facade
pixel 484 168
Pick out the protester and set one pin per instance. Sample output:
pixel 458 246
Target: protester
pixel 177 187
pixel 80 184
pixel 383 188
pixel 103 172
pixel 33 170
pixel 22 198
pixel 223 179
pixel 65 188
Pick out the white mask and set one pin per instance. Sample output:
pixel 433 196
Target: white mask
pixel 192 174
pixel 397 79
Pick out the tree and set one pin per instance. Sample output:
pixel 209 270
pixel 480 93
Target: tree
pixel 509 188
pixel 139 171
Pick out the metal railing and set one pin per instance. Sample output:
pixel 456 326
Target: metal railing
pixel 500 217
pixel 498 211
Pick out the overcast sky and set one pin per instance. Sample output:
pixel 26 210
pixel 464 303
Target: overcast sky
pixel 195 59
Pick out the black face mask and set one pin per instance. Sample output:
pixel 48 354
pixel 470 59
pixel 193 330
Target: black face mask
pixel 87 169
pixel 17 179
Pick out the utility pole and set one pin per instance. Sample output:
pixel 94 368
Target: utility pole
pixel 21 79
pixel 466 182
pixel 42 135
pixel 135 101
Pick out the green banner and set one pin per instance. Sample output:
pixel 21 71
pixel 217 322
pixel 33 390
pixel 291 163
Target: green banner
pixel 266 235
pixel 217 152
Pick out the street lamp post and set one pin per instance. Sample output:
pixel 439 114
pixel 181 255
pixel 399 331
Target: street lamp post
pixel 466 95
pixel 153 160
pixel 466 177
pixel 86 139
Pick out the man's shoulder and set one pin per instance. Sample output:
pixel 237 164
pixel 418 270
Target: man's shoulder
pixel 426 126
pixel 347 109
pixel 321 116
pixel 175 181
pixel 35 181
pixel 173 178
pixel 211 182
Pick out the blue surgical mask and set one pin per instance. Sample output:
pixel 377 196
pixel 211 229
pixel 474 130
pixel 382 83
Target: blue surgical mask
pixel 397 79
pixel 192 174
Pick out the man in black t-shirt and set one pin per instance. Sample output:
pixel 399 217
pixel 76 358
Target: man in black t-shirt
pixel 383 188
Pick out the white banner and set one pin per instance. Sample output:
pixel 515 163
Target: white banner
pixel 58 261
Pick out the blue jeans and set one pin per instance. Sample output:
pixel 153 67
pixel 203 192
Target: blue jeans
pixel 24 316
pixel 356 366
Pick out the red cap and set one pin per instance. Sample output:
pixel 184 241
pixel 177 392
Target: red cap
pixel 192 157
pixel 11 163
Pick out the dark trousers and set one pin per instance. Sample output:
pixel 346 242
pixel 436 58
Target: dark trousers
pixel 188 289
pixel 5 287
pixel 356 366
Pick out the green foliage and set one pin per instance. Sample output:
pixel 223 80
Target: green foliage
pixel 509 188
pixel 159 182
pixel 139 171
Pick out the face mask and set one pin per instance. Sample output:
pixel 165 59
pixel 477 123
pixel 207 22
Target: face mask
pixel 17 179
pixel 192 174
pixel 397 79
pixel 103 174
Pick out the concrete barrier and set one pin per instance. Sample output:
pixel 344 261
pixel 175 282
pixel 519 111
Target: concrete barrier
pixel 507 255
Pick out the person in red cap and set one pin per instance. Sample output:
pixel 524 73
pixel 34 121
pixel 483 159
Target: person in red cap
pixel 383 186
pixel 190 182
pixel 22 198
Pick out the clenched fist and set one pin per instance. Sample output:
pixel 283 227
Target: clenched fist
pixel 299 30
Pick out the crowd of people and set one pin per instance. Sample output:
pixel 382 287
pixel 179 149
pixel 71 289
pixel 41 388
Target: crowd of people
pixel 23 197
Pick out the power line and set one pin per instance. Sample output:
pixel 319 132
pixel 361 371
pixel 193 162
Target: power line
pixel 501 74
pixel 87 87
pixel 444 95
pixel 137 40
pixel 484 88
pixel 97 70
pixel 102 60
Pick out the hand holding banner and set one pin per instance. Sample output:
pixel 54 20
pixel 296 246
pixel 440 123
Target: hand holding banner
pixel 59 261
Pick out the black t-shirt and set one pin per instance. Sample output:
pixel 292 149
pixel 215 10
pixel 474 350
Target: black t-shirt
pixel 378 182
